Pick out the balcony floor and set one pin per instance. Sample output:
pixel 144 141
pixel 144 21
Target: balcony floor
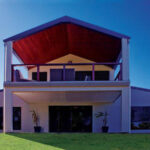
pixel 68 84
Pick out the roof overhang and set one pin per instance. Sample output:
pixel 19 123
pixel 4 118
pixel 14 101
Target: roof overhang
pixel 65 19
pixel 64 36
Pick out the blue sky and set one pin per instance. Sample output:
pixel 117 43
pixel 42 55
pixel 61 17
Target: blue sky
pixel 131 17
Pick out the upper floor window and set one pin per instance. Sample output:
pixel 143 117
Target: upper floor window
pixel 57 75
pixel 72 75
pixel 87 75
pixel 43 76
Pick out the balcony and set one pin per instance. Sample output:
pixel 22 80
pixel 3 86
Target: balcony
pixel 66 56
pixel 61 72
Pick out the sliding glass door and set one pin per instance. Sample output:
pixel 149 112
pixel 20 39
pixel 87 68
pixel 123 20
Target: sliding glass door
pixel 70 118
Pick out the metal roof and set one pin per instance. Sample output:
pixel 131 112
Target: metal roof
pixel 65 19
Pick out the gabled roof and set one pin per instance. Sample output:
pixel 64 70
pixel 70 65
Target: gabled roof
pixel 140 88
pixel 64 36
pixel 65 19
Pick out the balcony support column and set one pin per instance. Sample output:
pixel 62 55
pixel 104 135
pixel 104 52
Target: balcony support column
pixel 7 111
pixel 8 61
pixel 126 110
pixel 125 59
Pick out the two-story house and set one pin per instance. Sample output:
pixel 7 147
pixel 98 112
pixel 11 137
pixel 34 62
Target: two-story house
pixel 73 71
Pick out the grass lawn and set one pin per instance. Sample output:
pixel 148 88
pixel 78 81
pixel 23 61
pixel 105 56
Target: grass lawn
pixel 29 141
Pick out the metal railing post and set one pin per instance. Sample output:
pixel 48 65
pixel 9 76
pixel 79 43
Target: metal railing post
pixel 93 72
pixel 38 73
pixel 64 67
pixel 12 73
pixel 120 77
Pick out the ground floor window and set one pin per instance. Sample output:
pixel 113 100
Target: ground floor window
pixel 1 118
pixel 16 118
pixel 140 118
pixel 70 118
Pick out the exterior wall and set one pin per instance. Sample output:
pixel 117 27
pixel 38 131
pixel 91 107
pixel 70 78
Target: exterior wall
pixel 43 112
pixel 140 97
pixel 114 110
pixel 114 118
pixel 26 120
pixel 73 59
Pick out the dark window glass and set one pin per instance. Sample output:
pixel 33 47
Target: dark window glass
pixel 69 75
pixel 57 75
pixel 43 76
pixel 101 75
pixel 82 119
pixel 83 75
pixel 1 118
pixel 70 118
pixel 16 118
pixel 87 75
pixel 140 118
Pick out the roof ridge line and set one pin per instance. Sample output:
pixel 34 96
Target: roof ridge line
pixel 63 20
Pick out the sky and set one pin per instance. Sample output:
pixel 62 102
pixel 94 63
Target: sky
pixel 130 17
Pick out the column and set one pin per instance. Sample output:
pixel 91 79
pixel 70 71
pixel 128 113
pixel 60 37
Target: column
pixel 125 59
pixel 7 111
pixel 8 61
pixel 126 110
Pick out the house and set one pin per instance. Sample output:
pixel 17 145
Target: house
pixel 73 70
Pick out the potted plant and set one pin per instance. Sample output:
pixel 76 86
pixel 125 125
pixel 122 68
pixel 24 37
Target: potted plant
pixel 104 115
pixel 35 118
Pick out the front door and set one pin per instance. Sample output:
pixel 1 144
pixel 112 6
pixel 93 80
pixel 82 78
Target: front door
pixel 70 118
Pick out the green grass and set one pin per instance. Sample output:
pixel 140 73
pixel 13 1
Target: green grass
pixel 29 141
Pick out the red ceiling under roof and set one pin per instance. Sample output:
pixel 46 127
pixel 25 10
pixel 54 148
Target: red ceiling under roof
pixel 66 38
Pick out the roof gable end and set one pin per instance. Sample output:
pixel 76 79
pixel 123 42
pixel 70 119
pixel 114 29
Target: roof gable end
pixel 65 19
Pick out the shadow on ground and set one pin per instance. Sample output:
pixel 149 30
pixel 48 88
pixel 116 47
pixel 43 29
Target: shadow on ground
pixel 87 141
pixel 62 141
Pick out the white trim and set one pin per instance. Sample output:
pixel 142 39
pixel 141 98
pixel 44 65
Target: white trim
pixel 125 59
pixel 140 131
pixel 8 61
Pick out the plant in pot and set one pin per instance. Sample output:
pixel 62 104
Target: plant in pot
pixel 35 118
pixel 104 115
